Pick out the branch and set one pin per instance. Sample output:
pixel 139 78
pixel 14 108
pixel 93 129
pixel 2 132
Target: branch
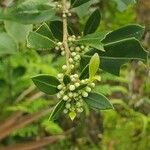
pixel 65 35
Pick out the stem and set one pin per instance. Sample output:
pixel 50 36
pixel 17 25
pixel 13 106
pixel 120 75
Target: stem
pixel 65 36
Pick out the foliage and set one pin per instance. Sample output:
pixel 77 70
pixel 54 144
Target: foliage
pixel 91 62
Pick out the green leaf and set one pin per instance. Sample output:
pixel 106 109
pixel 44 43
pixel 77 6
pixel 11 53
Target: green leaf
pixel 57 111
pixel 29 12
pixel 72 115
pixel 93 22
pixel 45 31
pixel 18 31
pixel 66 79
pixel 124 32
pixel 118 53
pixel 93 40
pixel 93 66
pixel 47 84
pixel 7 44
pixel 98 101
pixel 77 3
pixel 38 41
pixel 57 29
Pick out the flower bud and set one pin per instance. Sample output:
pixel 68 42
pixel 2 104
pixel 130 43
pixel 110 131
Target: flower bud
pixel 65 111
pixel 60 86
pixel 72 87
pixel 64 67
pixel 92 84
pixel 70 94
pixel 68 105
pixel 78 49
pixel 84 94
pixel 58 96
pixel 73 54
pixel 63 53
pixel 77 84
pixel 60 75
pixel 72 66
pixel 88 89
pixel 56 48
pixel 70 60
pixel 65 98
pixel 59 43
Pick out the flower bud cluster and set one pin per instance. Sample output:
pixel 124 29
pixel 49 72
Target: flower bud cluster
pixel 73 94
pixel 66 13
pixel 58 5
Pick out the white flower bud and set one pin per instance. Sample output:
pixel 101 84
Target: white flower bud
pixel 57 48
pixel 59 43
pixel 84 94
pixel 71 48
pixel 83 81
pixel 58 96
pixel 77 84
pixel 92 84
pixel 70 60
pixel 65 98
pixel 62 48
pixel 79 37
pixel 82 47
pixel 60 75
pixel 70 94
pixel 72 87
pixel 60 86
pixel 73 54
pixel 78 104
pixel 65 111
pixel 73 36
pixel 64 15
pixel 68 105
pixel 75 94
pixel 61 93
pixel 64 67
pixel 78 49
pixel 63 53
pixel 70 39
pixel 88 89
pixel 69 14
pixel 72 66
pixel 79 110
pixel 76 58
pixel 76 75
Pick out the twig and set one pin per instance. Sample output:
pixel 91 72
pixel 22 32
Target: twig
pixel 65 36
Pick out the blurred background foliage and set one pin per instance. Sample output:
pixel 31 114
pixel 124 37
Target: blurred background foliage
pixel 24 111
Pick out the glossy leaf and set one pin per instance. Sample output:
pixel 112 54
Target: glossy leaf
pixel 7 44
pixel 46 83
pixel 18 31
pixel 40 42
pixel 57 29
pixel 93 40
pixel 128 31
pixel 118 53
pixel 93 22
pixel 77 3
pixel 98 101
pixel 45 31
pixel 58 110
pixel 66 79
pixel 94 65
pixel 29 12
